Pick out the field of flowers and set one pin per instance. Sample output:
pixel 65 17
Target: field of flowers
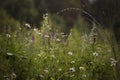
pixel 50 54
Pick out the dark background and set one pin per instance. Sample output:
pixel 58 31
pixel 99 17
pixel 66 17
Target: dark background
pixel 106 12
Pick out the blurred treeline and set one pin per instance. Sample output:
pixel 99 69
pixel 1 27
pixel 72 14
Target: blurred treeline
pixel 15 12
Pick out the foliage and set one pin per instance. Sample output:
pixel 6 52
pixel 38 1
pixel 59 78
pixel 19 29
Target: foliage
pixel 20 10
pixel 7 24
pixel 47 54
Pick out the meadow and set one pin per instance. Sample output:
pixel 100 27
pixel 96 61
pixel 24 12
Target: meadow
pixel 49 53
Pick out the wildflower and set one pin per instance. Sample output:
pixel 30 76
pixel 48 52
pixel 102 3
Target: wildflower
pixel 95 54
pixel 9 54
pixel 46 36
pixel 35 29
pixel 8 35
pixel 41 76
pixel 59 69
pixel 39 55
pixel 33 38
pixel 93 34
pixel 82 68
pixel 72 62
pixel 13 75
pixel 27 25
pixel 46 70
pixel 91 62
pixel 85 38
pixel 52 56
pixel 72 69
pixel 39 33
pixel 58 40
pixel 70 53
pixel 52 36
pixel 46 14
pixel 113 62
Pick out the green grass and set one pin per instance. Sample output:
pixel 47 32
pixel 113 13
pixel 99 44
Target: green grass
pixel 47 54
